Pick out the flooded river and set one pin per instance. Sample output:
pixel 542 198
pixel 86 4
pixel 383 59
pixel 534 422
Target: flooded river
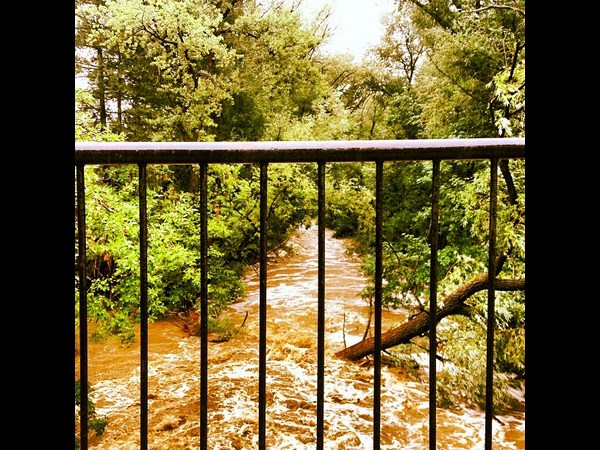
pixel 174 375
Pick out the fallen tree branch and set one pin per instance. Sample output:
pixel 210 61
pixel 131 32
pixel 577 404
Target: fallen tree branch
pixel 419 324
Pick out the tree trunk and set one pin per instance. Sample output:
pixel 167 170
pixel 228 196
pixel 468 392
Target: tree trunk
pixel 419 324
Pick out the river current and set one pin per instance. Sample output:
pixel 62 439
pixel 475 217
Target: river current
pixel 174 374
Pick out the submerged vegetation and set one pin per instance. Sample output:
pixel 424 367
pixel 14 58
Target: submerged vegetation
pixel 96 424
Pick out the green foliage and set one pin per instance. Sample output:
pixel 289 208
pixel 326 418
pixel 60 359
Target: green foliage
pixel 462 254
pixel 196 70
pixel 87 127
pixel 405 361
pixel 95 423
pixel 292 200
pixel 350 202
pixel 509 344
pixel 113 250
pixel 282 80
pixel 235 195
pixel 405 115
pixel 164 60
pixel 462 376
pixel 112 226
pixel 472 83
pixel 224 328
pixel 509 92
pixel 241 119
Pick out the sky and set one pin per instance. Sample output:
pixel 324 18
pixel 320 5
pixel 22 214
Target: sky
pixel 356 24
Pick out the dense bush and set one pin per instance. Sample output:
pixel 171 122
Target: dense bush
pixel 112 254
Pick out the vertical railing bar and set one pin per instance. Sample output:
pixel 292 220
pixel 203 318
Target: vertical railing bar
pixel 433 280
pixel 262 352
pixel 377 305
pixel 143 308
pixel 321 306
pixel 203 307
pixel 491 321
pixel 83 331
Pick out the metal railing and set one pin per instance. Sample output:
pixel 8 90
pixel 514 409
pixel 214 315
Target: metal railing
pixel 263 153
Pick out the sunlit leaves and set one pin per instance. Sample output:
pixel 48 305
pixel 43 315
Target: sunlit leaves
pixel 472 82
pixel 462 375
pixel 160 68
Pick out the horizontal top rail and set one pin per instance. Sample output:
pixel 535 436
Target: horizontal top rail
pixel 297 151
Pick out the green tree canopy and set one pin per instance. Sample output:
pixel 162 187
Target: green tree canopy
pixel 472 82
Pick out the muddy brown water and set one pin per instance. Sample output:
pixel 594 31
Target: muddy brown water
pixel 174 375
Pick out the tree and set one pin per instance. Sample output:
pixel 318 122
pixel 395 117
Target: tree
pixel 418 325
pixel 282 92
pixel 401 49
pixel 160 66
pixel 473 81
pixel 173 237
pixel 197 70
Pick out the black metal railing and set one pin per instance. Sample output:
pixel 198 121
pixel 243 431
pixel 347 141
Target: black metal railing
pixel 263 153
